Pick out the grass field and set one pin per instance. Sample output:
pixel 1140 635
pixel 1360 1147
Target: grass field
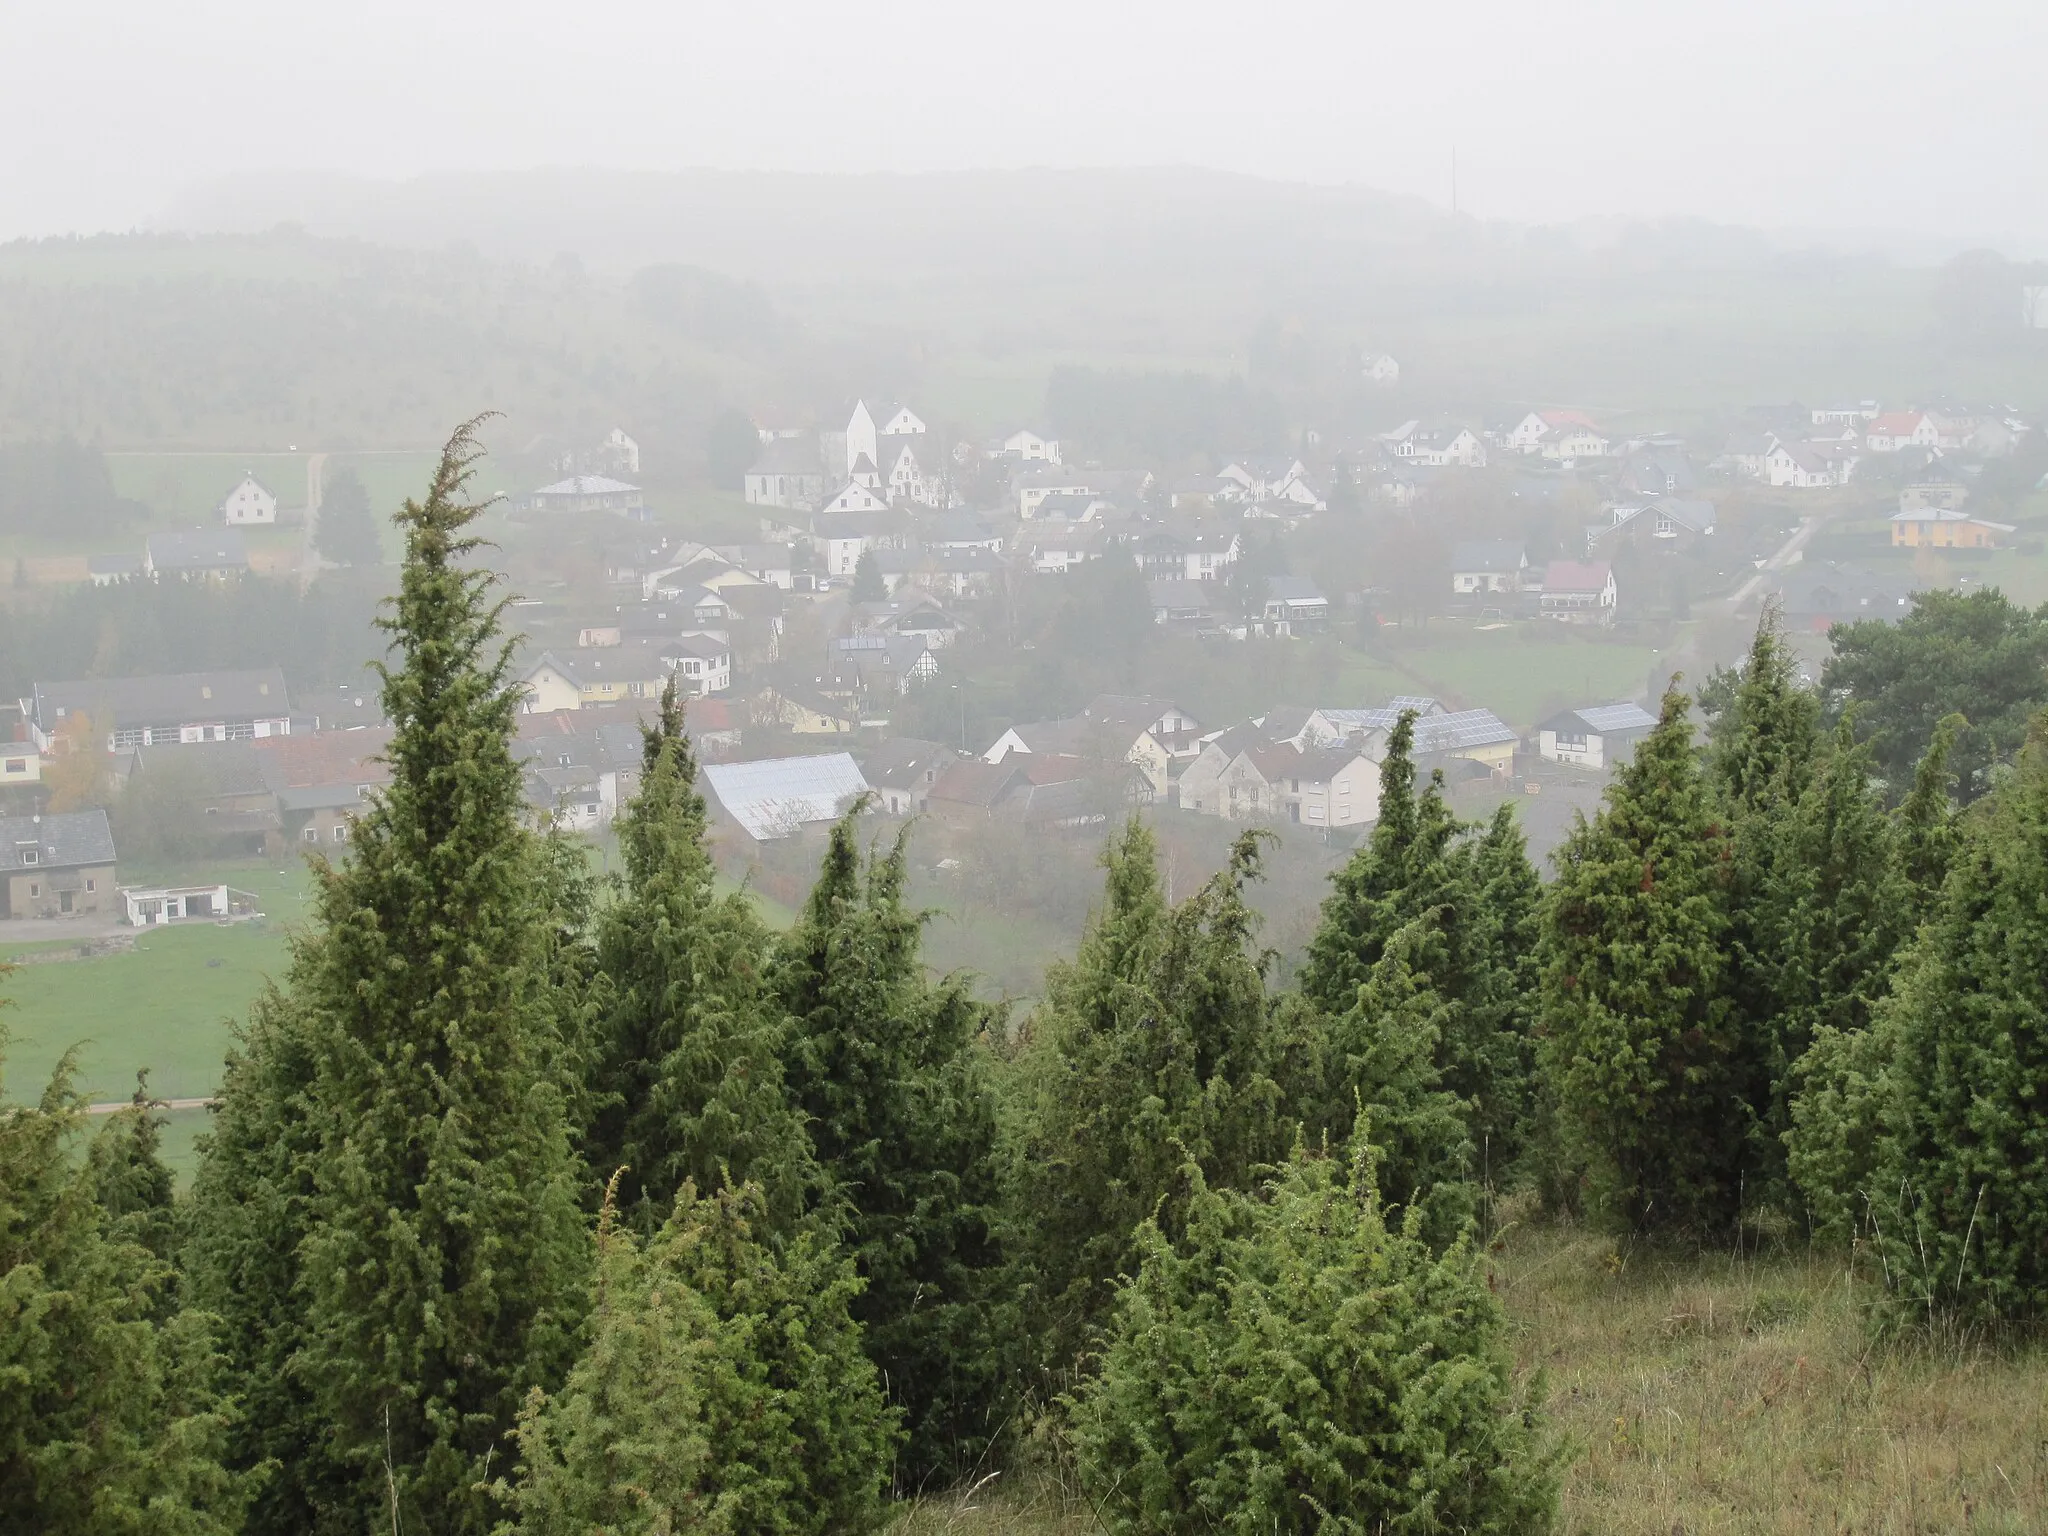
pixel 1522 672
pixel 1711 1394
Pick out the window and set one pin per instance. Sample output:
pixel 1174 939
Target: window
pixel 341 833
pixel 312 834
pixel 91 884
pixel 31 855
pixel 17 765
pixel 34 889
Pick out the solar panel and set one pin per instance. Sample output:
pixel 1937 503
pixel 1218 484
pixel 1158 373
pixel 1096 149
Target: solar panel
pixel 1617 717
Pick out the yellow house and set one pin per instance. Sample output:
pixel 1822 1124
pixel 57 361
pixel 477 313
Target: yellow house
pixel 20 763
pixel 616 675
pixel 806 712
pixel 1941 528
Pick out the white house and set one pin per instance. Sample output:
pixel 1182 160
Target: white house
pixel 1808 466
pixel 866 429
pixel 1527 435
pixel 1486 566
pixel 250 502
pixel 1036 482
pixel 1572 442
pixel 1896 430
pixel 1595 737
pixel 702 664
pixel 591 493
pixel 1578 592
pixel 853 497
pixel 842 537
pixel 1031 448
pixel 1845 415
pixel 1438 446
pixel 621 450
pixel 1379 368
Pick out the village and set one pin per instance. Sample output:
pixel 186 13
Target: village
pixel 884 555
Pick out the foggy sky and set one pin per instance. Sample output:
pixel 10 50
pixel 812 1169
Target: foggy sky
pixel 1806 114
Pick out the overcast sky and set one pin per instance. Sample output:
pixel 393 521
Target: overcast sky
pixel 1816 114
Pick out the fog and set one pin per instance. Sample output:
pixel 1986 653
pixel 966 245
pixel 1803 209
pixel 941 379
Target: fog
pixel 1874 119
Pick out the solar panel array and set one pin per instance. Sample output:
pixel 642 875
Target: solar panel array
pixel 777 796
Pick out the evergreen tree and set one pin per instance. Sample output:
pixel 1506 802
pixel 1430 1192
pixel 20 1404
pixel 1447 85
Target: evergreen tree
pixel 886 1069
pixel 1926 820
pixel 1475 955
pixel 1292 1363
pixel 687 1060
pixel 723 1389
pixel 111 1415
pixel 1383 1067
pixel 1768 735
pixel 1156 1046
pixel 428 1261
pixel 134 1187
pixel 346 528
pixel 1638 1039
pixel 1960 1201
pixel 868 585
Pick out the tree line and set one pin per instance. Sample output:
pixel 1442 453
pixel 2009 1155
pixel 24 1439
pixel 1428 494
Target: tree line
pixel 538 1205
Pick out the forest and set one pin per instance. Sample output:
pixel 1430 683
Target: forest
pixel 536 1203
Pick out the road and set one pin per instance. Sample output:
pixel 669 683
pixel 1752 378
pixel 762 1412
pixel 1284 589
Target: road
pixel 1786 554
pixel 309 557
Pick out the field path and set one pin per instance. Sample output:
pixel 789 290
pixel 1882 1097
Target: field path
pixel 309 557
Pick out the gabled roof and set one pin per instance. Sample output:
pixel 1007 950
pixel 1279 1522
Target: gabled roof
pixel 901 761
pixel 65 840
pixel 586 485
pixel 1604 719
pixel 328 757
pixel 1293 589
pixel 199 549
pixel 1488 555
pixel 972 782
pixel 777 796
pixel 1576 576
pixel 1944 515
pixel 175 698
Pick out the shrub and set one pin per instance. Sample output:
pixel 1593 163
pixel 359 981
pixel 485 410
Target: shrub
pixel 1294 1365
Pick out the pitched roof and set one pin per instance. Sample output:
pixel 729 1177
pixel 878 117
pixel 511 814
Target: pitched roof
pixel 1576 576
pixel 1293 589
pixel 62 841
pixel 1604 719
pixel 199 549
pixel 1488 555
pixel 330 757
pixel 900 761
pixel 1944 515
pixel 586 485
pixel 171 698
pixel 776 796
pixel 972 782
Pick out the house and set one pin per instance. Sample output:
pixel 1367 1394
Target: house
pixel 1845 415
pixel 1808 466
pixel 198 554
pixel 1486 567
pixel 321 778
pixel 1265 480
pixel 778 797
pixel 1037 790
pixel 1175 601
pixel 1598 736
pixel 1435 446
pixel 1817 595
pixel 1073 507
pixel 962 531
pixel 56 866
pixel 161 905
pixel 772 565
pixel 842 537
pixel 969 790
pixel 1933 489
pixel 609 675
pixel 702 664
pixel 1379 368
pixel 1466 735
pixel 1658 472
pixel 1571 442
pixel 128 712
pixel 1030 447
pixel 806 710
pixel 20 763
pixel 1332 787
pixel 572 778
pixel 1893 431
pixel 716 725
pixel 1032 483
pixel 1578 592
pixel 1527 435
pixel 249 502
pixel 1153 735
pixel 591 493
pixel 902 771
pixel 1745 452
pixel 1057 550
pixel 1937 528
pixel 917 615
pixel 1294 606
pixel 788 473
pixel 1186 553
pixel 868 430
pixel 1653 522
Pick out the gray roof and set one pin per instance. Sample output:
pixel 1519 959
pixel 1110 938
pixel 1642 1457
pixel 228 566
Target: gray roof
pixel 165 699
pixel 1460 731
pixel 775 797
pixel 67 840
pixel 199 549
pixel 1488 555
pixel 1194 596
pixel 901 761
pixel 320 797
pixel 1607 719
pixel 1293 589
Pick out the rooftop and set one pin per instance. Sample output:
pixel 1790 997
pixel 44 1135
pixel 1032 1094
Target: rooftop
pixel 777 796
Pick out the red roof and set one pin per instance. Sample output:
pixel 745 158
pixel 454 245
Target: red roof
pixel 1896 423
pixel 1576 576
pixel 1568 419
pixel 328 757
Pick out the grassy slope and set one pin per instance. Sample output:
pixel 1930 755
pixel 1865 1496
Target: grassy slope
pixel 1709 1394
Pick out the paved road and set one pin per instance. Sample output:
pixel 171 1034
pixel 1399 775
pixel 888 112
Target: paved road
pixel 1784 555
pixel 115 1109
pixel 309 557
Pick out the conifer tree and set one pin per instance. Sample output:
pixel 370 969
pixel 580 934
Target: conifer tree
pixel 112 1419
pixel 1156 1046
pixel 868 585
pixel 1292 1362
pixel 723 1389
pixel 1960 1203
pixel 130 1180
pixel 1638 1038
pixel 393 1161
pixel 885 1067
pixel 1926 820
pixel 1474 956
pixel 687 1060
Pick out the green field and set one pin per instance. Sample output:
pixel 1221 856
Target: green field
pixel 1522 672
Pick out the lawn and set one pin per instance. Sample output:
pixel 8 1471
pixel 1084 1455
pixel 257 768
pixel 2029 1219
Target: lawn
pixel 1522 672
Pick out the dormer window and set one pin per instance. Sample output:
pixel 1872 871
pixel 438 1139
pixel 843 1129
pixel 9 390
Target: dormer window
pixel 30 853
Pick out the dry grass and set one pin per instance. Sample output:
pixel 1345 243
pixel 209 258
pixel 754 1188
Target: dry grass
pixel 1711 1393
